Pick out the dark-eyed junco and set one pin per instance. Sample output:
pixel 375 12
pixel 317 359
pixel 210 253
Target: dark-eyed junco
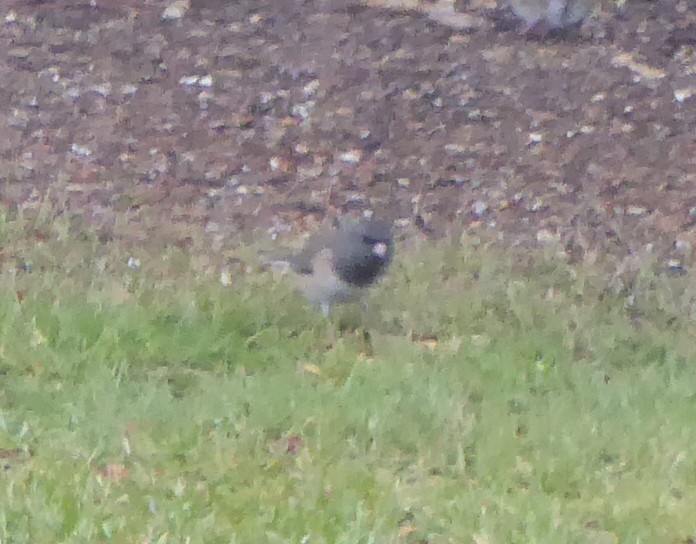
pixel 541 16
pixel 338 263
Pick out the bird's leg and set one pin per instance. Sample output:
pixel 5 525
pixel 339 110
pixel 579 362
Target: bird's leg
pixel 325 307
pixel 331 335
pixel 331 331
pixel 366 338
pixel 365 306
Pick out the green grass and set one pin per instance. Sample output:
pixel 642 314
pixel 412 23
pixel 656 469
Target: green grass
pixel 500 398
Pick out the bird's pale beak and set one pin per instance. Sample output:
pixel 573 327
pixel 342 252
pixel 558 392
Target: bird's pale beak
pixel 380 249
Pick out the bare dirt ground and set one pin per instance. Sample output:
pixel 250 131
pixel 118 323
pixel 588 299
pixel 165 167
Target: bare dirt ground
pixel 228 115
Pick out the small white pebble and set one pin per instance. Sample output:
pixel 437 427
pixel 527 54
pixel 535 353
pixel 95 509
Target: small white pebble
pixel 303 109
pixel 103 89
pixel 80 150
pixel 538 205
pixel 403 182
pixel 11 16
pixel 454 149
pixel 536 137
pixel 206 81
pixel 133 263
pixel 410 94
pixel 352 157
pixel 189 80
pixel 680 95
pixel 311 88
pixel 128 89
pixel 636 211
pixel 598 97
pixel 356 197
pixel 479 208
pixel 175 10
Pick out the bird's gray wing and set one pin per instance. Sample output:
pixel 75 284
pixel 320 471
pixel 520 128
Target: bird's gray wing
pixel 303 262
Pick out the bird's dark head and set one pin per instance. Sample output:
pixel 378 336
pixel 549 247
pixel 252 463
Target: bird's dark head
pixel 363 251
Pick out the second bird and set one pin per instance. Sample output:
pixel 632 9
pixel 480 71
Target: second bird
pixel 541 16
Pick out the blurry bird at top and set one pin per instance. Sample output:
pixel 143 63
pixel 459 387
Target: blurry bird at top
pixel 542 16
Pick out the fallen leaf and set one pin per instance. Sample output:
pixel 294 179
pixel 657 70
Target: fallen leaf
pixel 309 367
pixel 114 471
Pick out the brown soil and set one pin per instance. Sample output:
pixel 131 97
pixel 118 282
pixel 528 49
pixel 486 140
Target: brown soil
pixel 266 113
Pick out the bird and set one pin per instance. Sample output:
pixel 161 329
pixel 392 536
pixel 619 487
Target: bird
pixel 337 264
pixel 541 16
